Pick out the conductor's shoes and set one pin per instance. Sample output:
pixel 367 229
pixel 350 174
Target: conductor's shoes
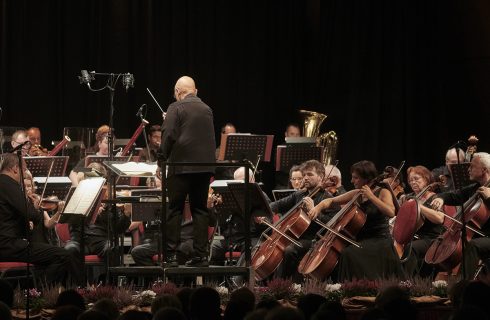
pixel 197 262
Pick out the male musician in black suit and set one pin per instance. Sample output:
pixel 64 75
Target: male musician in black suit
pixel 188 136
pixel 479 247
pixel 313 175
pixel 15 215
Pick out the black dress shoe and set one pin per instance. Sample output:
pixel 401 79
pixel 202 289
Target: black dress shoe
pixel 197 262
pixel 171 261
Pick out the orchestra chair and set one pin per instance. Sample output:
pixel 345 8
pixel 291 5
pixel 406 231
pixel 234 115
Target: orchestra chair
pixel 16 271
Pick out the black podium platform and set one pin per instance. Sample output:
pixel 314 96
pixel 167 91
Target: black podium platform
pixel 195 274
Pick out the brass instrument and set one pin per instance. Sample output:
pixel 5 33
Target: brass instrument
pixel 311 128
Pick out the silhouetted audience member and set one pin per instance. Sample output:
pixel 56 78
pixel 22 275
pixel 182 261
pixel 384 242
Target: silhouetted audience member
pixel 68 312
pixel 267 303
pixel 257 314
pixel 165 301
pixel 456 292
pixel 469 312
pixel 92 315
pixel 310 303
pixel 107 307
pixel 135 315
pixel 5 313
pixel 169 313
pixel 6 293
pixel 374 314
pixel 477 294
pixel 184 296
pixel 331 310
pixel 205 304
pixel 71 298
pixel 284 313
pixel 242 302
pixel 396 304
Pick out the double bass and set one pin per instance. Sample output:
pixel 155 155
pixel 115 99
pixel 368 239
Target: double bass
pixel 323 256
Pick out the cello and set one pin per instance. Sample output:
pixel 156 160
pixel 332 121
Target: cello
pixel 269 254
pixel 323 256
pixel 446 251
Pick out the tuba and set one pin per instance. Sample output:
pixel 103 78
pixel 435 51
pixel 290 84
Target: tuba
pixel 311 128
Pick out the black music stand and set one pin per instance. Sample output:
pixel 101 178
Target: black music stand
pixel 56 186
pixel 460 174
pixel 290 155
pixel 259 207
pixel 39 166
pixel 148 206
pixel 282 193
pixel 252 147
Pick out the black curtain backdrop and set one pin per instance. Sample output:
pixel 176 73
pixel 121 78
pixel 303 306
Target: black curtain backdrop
pixel 387 73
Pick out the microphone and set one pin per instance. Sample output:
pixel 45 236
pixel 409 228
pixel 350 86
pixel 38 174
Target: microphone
pixel 140 110
pixel 86 77
pixel 128 80
pixel 460 144
pixel 20 146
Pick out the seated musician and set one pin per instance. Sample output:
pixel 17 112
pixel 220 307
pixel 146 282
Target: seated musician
pixel 36 149
pixel 292 130
pixel 19 137
pixel 313 175
pixel 295 178
pixel 95 235
pixel 14 218
pixel 419 177
pixel 334 180
pixel 478 248
pixel 225 173
pixel 100 148
pixel 154 141
pixel 233 229
pixel 442 174
pixel 376 258
pixel 43 232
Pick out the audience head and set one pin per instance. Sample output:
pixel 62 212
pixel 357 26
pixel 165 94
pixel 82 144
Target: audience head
pixel 309 304
pixel 242 301
pixel 5 313
pixel 107 307
pixel 92 315
pixel 165 300
pixel 70 298
pixel 284 313
pixel 205 304
pixel 68 312
pixel 169 313
pixel 330 310
pixel 135 315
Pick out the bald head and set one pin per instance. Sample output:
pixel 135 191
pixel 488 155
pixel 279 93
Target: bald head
pixel 184 86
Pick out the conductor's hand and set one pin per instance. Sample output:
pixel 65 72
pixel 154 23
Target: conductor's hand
pixel 309 204
pixel 437 204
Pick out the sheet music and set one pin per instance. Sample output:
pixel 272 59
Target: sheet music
pixel 52 180
pixel 84 196
pixel 136 168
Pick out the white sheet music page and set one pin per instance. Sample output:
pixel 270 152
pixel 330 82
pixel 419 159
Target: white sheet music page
pixel 136 168
pixel 84 196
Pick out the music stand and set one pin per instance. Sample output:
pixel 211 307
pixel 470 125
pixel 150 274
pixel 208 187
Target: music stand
pixel 56 186
pixel 235 146
pixel 259 207
pixel 460 174
pixel 149 205
pixel 283 193
pixel 290 155
pixel 39 166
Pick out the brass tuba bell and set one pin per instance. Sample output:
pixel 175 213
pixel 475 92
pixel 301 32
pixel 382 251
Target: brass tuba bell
pixel 312 122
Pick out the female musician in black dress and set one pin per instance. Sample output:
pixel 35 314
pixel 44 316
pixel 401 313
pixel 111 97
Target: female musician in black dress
pixel 376 258
pixel 418 178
